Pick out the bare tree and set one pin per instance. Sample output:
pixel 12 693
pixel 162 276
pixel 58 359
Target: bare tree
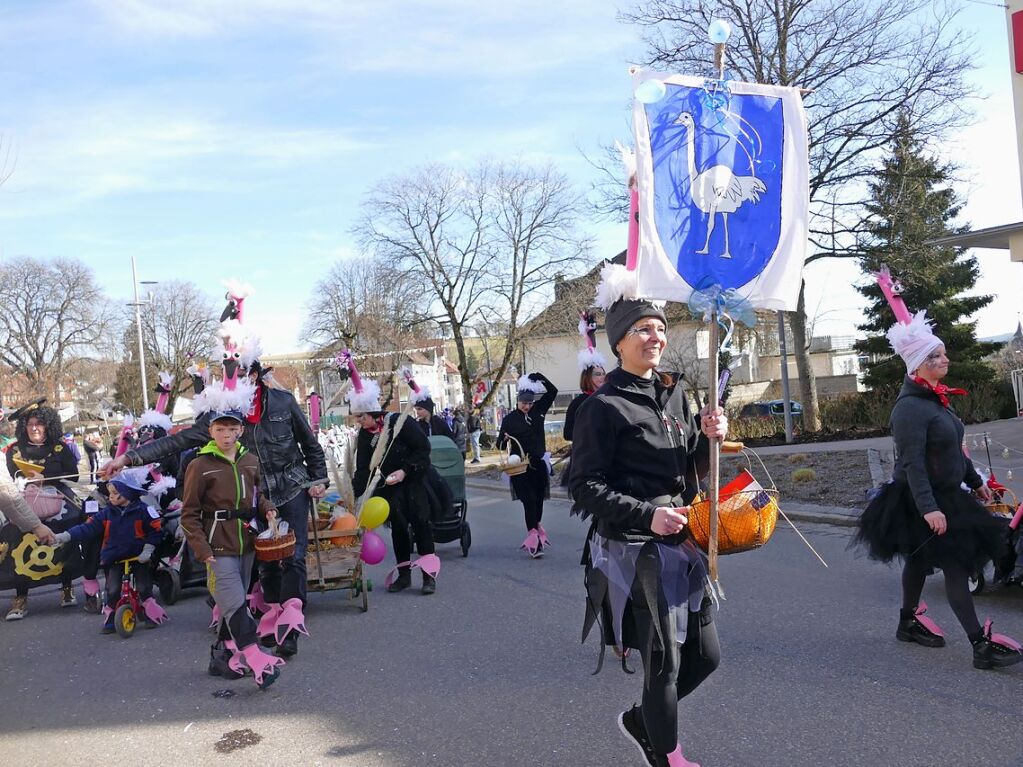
pixel 866 61
pixel 534 213
pixel 52 312
pixel 364 305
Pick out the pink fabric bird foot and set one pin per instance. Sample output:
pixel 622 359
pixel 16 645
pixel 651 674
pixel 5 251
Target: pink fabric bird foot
pixel 268 623
pixel 90 586
pixel 257 602
pixel 532 544
pixel 264 667
pixel 154 612
pixel 675 759
pixel 428 563
pixel 290 617
pixel 215 617
pixel 544 540
pixel 1001 639
pixel 926 622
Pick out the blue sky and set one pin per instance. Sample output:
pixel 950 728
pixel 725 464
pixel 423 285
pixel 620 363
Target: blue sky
pixel 218 138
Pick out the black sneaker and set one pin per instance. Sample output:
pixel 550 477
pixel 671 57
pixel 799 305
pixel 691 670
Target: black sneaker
pixel 429 584
pixel 912 630
pixel 219 657
pixel 995 651
pixel 631 724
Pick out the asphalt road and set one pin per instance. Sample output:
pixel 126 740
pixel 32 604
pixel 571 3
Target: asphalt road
pixel 489 671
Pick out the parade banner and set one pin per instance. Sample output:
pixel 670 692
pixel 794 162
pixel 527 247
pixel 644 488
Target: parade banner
pixel 722 170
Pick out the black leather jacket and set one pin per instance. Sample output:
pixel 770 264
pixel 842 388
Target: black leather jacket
pixel 289 455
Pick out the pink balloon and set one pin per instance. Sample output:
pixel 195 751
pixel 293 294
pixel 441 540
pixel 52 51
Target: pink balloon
pixel 373 548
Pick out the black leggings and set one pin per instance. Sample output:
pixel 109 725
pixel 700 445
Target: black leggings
pixel 676 674
pixel 957 591
pixel 400 537
pixel 530 487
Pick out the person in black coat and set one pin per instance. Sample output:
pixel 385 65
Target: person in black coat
pixel 923 515
pixel 523 430
pixel 432 425
pixel 638 453
pixel 401 481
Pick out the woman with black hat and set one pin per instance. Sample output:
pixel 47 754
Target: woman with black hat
pixel 523 429
pixel 637 454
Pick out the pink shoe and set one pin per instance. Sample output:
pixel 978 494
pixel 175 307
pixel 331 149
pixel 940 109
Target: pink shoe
pixel 532 544
pixel 544 540
pixel 264 667
pixel 154 613
pixel 290 619
pixel 675 759
pixel 268 623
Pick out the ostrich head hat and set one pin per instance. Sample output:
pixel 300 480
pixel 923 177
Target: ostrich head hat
pixel 231 396
pixel 364 396
pixel 419 395
pixel 528 389
pixel 913 341
pixel 589 357
pixel 618 296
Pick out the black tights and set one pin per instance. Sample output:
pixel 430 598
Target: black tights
pixel 675 675
pixel 957 591
pixel 530 488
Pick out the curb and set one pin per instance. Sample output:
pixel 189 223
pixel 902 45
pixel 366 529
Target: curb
pixel 801 512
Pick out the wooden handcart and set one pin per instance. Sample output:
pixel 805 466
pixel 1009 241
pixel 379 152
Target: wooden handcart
pixel 334 561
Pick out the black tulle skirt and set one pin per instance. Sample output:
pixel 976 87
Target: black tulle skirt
pixel 891 526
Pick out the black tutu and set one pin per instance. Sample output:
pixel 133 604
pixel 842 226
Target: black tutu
pixel 891 526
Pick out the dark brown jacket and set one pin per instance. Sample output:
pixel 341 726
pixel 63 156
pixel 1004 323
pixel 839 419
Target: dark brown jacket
pixel 214 483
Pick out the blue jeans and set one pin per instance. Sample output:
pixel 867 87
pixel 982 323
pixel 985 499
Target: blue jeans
pixel 286 580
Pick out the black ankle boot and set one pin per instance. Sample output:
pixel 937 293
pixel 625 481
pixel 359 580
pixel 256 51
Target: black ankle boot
pixel 219 657
pixel 990 652
pixel 912 630
pixel 429 584
pixel 289 647
pixel 402 582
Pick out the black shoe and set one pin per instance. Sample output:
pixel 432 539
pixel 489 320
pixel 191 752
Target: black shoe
pixel 289 647
pixel 475 460
pixel 219 657
pixel 269 641
pixel 912 630
pixel 92 604
pixel 402 582
pixel 429 584
pixel 631 724
pixel 989 652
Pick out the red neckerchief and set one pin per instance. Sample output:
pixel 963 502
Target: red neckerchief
pixel 257 405
pixel 941 390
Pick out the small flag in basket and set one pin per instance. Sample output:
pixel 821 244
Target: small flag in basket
pixel 746 483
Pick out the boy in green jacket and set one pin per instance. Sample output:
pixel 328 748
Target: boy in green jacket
pixel 221 505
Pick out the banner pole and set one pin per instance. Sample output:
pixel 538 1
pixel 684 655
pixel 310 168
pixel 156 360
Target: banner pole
pixel 715 456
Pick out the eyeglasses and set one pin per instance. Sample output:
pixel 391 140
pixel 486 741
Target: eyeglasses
pixel 646 332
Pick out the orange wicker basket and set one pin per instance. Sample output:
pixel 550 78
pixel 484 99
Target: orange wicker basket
pixel 1006 506
pixel 746 518
pixel 276 547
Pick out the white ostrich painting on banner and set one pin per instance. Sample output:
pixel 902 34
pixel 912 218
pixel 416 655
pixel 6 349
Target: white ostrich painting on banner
pixel 722 173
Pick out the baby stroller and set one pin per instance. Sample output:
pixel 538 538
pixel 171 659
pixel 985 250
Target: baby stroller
pixel 175 568
pixel 449 465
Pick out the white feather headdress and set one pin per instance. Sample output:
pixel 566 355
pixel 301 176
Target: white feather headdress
pixel 913 341
pixel 525 383
pixel 216 399
pixel 367 400
pixel 156 419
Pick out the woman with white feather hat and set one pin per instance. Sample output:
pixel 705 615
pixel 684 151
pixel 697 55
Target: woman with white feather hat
pixel 523 430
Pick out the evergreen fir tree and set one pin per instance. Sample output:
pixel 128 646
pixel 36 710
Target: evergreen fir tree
pixel 912 203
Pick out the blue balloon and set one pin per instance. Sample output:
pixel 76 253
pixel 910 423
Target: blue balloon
pixel 719 31
pixel 650 91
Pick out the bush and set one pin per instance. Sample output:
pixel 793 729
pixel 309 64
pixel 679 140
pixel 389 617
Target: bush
pixel 804 475
pixel 798 458
pixel 740 429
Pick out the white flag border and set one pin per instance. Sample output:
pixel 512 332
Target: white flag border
pixel 777 286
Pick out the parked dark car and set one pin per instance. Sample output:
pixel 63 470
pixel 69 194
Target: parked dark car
pixel 770 409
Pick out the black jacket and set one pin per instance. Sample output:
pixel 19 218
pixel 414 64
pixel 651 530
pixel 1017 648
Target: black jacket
pixel 435 427
pixel 636 440
pixel 473 423
pixel 929 444
pixel 528 429
pixel 288 452
pixel 573 408
pixel 409 451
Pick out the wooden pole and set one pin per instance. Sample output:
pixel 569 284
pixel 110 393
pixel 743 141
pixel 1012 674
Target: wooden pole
pixel 715 456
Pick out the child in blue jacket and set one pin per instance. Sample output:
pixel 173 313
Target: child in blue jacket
pixel 129 528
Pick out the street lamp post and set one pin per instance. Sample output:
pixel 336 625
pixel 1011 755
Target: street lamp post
pixel 138 325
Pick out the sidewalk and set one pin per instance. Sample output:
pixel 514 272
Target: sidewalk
pixel 797 512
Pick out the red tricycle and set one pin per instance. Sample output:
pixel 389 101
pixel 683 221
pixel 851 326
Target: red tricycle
pixel 129 606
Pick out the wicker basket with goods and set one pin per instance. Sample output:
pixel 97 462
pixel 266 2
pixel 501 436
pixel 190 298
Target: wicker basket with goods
pixel 513 465
pixel 275 544
pixel 1004 504
pixel 747 513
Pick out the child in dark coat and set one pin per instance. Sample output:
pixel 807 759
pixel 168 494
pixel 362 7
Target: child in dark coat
pixel 129 528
